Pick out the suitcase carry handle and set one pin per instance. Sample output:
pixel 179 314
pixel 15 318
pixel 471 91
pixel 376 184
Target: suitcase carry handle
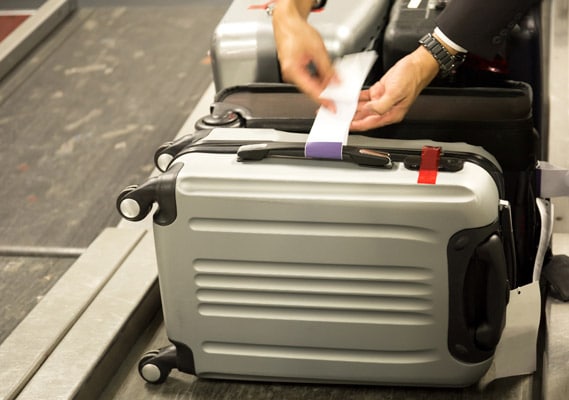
pixel 491 255
pixel 357 155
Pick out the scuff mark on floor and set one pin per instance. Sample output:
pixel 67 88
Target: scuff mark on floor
pixel 120 132
pixel 82 121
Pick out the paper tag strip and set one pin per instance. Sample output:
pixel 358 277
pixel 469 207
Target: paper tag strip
pixel 546 214
pixel 553 180
pixel 330 129
pixel 516 352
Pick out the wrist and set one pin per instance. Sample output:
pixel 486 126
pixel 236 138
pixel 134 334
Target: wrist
pixel 426 66
pixel 293 8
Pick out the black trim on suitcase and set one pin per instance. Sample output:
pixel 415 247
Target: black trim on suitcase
pixel 185 358
pixel 410 157
pixel 135 202
pixel 478 292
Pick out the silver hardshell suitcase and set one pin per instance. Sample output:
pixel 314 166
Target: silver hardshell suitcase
pixel 275 267
pixel 243 47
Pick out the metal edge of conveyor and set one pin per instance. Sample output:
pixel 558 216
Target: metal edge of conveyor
pixel 32 31
pixel 92 316
pixel 23 353
pixel 555 383
pixel 86 358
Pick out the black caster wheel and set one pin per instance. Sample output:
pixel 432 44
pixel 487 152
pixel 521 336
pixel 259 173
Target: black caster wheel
pixel 155 366
pixel 150 369
pixel 128 207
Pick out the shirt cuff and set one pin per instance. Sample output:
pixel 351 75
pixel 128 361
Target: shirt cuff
pixel 449 42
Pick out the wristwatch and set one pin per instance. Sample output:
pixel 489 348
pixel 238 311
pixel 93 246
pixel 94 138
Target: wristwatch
pixel 317 4
pixel 448 63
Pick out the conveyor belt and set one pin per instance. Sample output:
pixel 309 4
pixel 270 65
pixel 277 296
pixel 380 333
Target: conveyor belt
pixel 80 119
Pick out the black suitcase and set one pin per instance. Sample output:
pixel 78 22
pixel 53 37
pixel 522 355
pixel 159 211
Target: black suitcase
pixel 498 119
pixel 410 20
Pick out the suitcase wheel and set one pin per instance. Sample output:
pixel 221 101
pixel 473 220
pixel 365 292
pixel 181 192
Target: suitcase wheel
pixel 163 160
pixel 155 366
pixel 128 206
pixel 169 150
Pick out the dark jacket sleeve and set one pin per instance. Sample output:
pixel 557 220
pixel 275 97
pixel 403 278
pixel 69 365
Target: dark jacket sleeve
pixel 482 26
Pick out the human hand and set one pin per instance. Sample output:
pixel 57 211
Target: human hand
pixel 304 60
pixel 389 99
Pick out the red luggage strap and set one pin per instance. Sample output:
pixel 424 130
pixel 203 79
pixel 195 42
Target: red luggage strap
pixel 429 167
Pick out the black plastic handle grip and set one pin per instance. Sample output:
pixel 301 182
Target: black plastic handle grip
pixel 361 156
pixel 134 203
pixel 491 254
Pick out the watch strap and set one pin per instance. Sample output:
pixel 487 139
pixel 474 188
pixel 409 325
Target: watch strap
pixel 317 4
pixel 448 63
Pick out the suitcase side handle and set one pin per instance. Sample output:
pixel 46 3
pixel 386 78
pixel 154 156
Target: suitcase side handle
pixel 357 155
pixel 478 292
pixel 492 256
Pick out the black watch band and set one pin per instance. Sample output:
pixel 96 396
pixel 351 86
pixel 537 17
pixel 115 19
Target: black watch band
pixel 448 63
pixel 317 4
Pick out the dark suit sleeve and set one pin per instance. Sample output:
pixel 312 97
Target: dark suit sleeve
pixel 482 26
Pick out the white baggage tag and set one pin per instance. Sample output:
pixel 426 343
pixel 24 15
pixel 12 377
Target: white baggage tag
pixel 516 352
pixel 329 133
pixel 554 180
pixel 546 212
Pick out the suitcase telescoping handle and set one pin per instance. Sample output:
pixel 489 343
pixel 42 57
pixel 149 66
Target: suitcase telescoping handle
pixel 357 155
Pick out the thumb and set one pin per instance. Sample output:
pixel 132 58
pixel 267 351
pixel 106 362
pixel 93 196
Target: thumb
pixel 381 105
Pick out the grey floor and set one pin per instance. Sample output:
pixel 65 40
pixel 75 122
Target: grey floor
pixel 80 119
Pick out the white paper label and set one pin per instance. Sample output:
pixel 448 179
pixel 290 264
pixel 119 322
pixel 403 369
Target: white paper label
pixel 333 127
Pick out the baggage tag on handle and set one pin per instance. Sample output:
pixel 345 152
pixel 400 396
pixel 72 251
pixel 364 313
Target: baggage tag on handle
pixel 329 132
